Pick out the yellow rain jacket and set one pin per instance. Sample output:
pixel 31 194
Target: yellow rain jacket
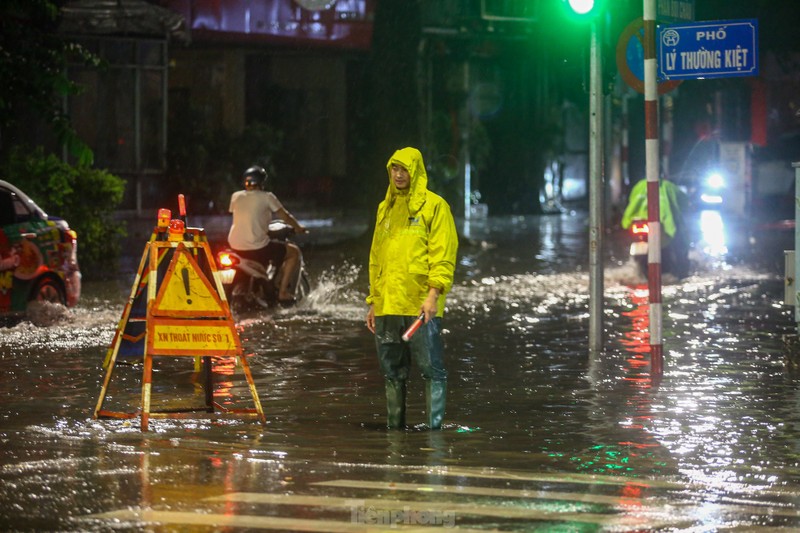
pixel 670 203
pixel 414 245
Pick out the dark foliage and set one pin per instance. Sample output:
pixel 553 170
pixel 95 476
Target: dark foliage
pixel 33 60
pixel 85 197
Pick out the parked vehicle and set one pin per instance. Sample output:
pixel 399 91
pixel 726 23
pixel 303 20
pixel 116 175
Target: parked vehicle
pixel 38 254
pixel 249 284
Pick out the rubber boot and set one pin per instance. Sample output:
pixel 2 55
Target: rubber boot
pixel 435 395
pixel 395 404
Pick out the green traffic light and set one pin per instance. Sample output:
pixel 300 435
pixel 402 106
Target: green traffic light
pixel 581 7
pixel 583 10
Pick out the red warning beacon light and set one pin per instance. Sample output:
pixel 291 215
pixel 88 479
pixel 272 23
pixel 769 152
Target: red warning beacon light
pixel 164 216
pixel 176 230
pixel 162 228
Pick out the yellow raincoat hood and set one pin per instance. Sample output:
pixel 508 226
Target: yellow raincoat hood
pixel 410 159
pixel 414 245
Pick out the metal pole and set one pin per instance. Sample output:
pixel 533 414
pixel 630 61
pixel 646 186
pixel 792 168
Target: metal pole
pixel 667 130
pixel 626 176
pixel 596 192
pixel 466 140
pixel 795 300
pixel 653 197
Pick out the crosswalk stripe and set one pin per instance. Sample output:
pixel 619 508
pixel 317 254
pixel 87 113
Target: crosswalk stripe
pixel 257 522
pixel 370 515
pixel 444 508
pixel 623 503
pixel 586 479
pixel 591 479
pixel 488 491
pixel 149 516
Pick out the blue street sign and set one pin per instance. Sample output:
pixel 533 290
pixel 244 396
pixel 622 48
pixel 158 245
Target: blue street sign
pixel 708 49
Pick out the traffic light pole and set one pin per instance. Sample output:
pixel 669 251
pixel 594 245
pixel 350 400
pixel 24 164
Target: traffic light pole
pixel 596 191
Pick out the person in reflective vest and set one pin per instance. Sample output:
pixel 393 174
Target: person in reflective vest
pixel 674 238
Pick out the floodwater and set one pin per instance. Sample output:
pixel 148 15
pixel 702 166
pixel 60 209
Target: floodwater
pixel 538 435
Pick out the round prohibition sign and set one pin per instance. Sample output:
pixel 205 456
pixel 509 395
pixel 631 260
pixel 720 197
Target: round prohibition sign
pixel 631 43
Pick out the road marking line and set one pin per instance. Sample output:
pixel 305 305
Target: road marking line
pixel 489 491
pixel 637 521
pixel 257 522
pixel 593 479
pixel 621 503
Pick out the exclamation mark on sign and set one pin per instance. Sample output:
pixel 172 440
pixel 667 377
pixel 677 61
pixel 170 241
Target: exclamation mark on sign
pixel 185 275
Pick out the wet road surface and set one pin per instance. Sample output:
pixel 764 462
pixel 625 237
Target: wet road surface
pixel 538 435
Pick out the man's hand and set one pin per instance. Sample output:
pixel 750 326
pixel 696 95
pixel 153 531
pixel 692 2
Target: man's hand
pixel 371 319
pixel 431 304
pixel 289 219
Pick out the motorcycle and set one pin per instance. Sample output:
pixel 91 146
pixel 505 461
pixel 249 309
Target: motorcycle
pixel 708 192
pixel 250 284
pixel 639 231
pixel 674 256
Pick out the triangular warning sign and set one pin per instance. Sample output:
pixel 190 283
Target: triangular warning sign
pixel 177 307
pixel 186 292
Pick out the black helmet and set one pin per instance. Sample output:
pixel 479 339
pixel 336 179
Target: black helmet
pixel 255 177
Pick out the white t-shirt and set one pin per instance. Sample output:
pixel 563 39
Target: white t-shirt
pixel 252 213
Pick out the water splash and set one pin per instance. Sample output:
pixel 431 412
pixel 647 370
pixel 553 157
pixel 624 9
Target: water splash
pixel 336 293
pixel 47 325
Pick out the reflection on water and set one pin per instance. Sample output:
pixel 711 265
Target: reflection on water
pixel 713 241
pixel 720 427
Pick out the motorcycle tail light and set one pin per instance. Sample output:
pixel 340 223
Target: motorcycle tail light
pixel 640 228
pixel 226 260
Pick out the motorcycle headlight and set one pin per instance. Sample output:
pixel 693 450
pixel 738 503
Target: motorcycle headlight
pixel 715 181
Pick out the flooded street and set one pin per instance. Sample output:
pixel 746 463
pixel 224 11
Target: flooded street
pixel 538 435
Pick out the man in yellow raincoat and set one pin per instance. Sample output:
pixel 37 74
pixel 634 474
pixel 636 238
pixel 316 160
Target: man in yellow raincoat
pixel 411 265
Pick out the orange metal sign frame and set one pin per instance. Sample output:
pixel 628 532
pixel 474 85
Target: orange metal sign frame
pixel 186 316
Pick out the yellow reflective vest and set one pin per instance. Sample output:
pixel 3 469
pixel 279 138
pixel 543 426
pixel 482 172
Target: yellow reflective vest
pixel 414 245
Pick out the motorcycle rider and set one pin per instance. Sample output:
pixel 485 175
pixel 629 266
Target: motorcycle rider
pixel 672 202
pixel 252 210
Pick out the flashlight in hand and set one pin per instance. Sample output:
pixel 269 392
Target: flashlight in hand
pixel 414 327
